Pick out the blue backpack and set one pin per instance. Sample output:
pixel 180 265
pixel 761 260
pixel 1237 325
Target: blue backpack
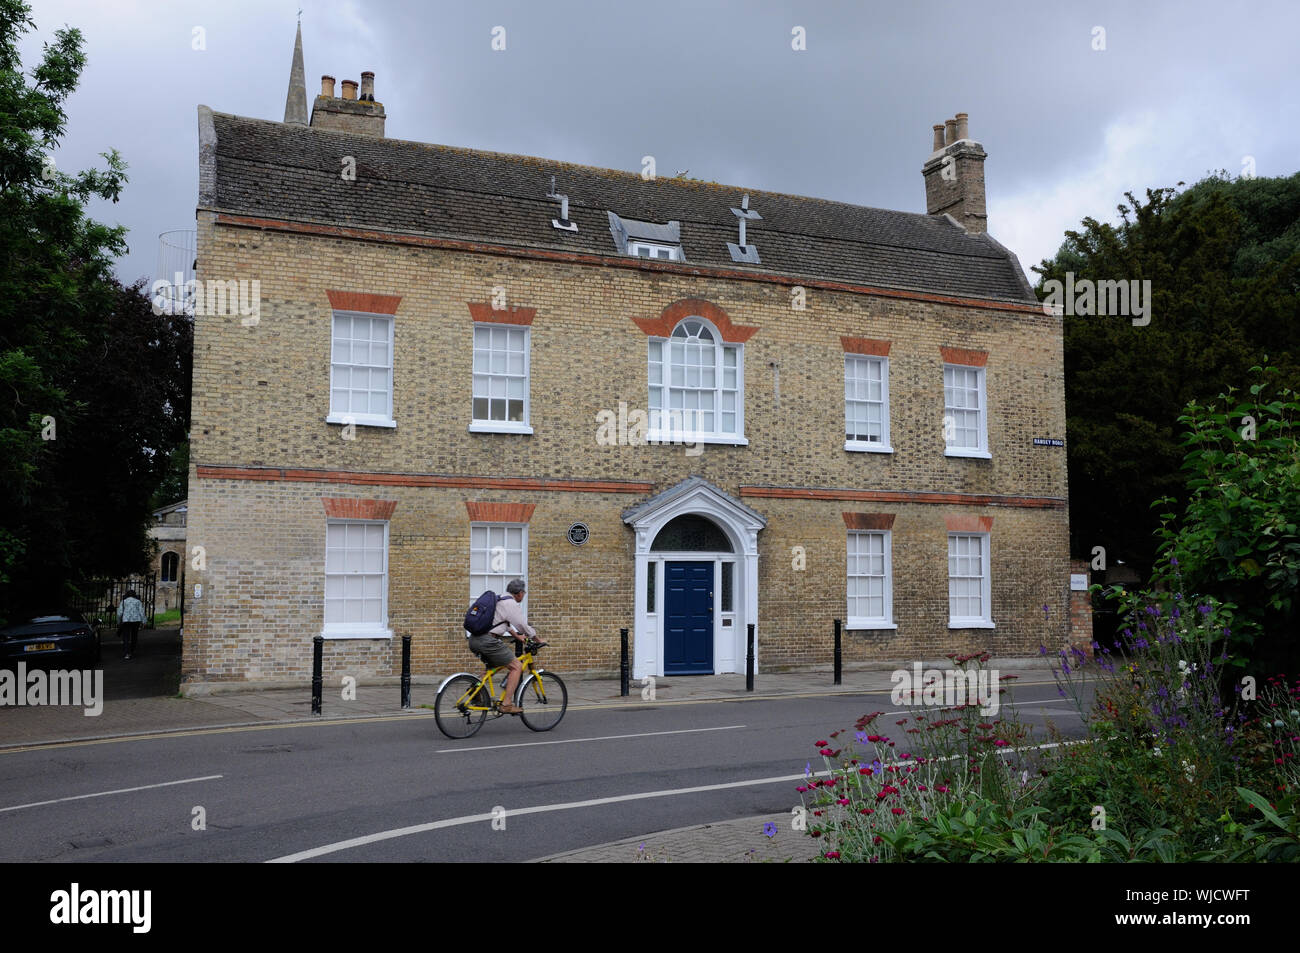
pixel 479 617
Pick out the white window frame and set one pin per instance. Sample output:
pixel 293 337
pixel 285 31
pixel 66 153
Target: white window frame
pixel 366 419
pixel 358 630
pixel 869 446
pixel 984 621
pixel 885 621
pixel 674 435
pixel 476 588
pixel 652 250
pixel 981 377
pixel 478 425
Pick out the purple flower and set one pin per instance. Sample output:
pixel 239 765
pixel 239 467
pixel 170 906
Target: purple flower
pixel 1174 561
pixel 769 829
pixel 1204 610
pixel 1045 610
pixel 1141 643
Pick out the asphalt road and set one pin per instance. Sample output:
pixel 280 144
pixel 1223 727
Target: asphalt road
pixel 397 790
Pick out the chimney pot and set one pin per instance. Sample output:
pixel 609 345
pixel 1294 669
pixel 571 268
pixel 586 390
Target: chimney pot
pixel 938 137
pixel 327 86
pixel 350 90
pixel 963 130
pixel 368 86
pixel 949 127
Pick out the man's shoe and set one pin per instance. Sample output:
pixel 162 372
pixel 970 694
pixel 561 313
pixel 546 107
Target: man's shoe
pixel 508 709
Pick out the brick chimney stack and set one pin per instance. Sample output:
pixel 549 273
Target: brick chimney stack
pixel 349 113
pixel 954 175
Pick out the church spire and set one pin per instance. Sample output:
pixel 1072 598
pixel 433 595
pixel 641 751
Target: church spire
pixel 295 104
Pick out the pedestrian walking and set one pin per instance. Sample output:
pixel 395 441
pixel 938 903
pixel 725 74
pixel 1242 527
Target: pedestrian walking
pixel 129 616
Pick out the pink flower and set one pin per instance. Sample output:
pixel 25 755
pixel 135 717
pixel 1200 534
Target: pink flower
pixel 896 810
pixel 1001 743
pixel 832 855
pixel 842 800
pixel 821 744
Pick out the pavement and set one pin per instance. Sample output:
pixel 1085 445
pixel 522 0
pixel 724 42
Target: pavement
pixel 142 696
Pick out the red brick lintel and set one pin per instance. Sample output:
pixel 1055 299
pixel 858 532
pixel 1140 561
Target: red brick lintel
pixel 966 356
pixel 293 475
pixel 363 302
pixel 869 520
pixel 338 507
pixel 642 264
pixel 483 312
pixel 869 346
pixel 902 496
pixel 499 512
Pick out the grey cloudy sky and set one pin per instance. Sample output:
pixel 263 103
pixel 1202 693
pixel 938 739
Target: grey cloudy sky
pixel 714 86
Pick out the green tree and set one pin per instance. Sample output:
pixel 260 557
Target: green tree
pixel 94 387
pixel 1223 259
pixel 1238 537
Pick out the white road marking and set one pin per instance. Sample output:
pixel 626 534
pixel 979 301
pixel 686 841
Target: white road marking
pixel 516 812
pixel 572 805
pixel 79 797
pixel 570 741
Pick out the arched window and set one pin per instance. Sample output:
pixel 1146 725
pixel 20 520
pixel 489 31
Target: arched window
pixel 691 533
pixel 695 384
pixel 170 565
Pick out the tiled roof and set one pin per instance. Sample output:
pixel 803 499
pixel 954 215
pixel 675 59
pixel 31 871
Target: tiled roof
pixel 288 172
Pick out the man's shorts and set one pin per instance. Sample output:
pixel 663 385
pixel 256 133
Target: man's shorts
pixel 494 652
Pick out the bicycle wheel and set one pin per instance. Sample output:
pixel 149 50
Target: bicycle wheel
pixel 544 699
pixel 450 709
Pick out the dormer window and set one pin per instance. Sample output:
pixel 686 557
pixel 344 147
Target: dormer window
pixel 654 250
pixel 647 239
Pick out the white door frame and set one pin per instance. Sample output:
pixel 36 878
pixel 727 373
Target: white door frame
pixel 740 524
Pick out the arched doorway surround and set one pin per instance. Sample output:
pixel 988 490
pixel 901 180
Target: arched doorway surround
pixel 732 575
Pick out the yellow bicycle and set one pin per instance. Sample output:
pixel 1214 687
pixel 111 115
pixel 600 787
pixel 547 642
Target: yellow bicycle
pixel 464 701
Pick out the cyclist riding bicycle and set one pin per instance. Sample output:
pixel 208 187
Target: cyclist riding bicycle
pixel 508 618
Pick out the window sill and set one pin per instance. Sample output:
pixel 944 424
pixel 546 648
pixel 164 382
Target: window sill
pixel 970 624
pixel 974 454
pixel 499 426
pixel 868 625
pixel 356 632
pixel 678 438
pixel 361 420
pixel 857 446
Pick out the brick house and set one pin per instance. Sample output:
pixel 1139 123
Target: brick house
pixel 468 366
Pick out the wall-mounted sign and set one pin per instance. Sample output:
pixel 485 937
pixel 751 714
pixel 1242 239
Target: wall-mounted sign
pixel 1048 442
pixel 1078 582
pixel 579 534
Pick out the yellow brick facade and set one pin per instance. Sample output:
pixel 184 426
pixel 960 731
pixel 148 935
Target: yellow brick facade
pixel 261 395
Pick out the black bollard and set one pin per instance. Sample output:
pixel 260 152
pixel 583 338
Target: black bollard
pixel 839 663
pixel 406 671
pixel 624 669
pixel 749 659
pixel 317 681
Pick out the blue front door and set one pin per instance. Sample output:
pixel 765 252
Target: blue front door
pixel 688 618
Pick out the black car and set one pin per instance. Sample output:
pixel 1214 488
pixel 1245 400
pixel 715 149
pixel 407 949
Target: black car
pixel 50 636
